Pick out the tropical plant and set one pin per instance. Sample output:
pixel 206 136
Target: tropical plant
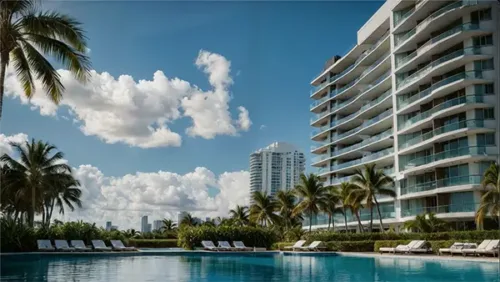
pixel 188 220
pixel 168 225
pixel 37 182
pixel 427 223
pixel 369 183
pixel 345 190
pixel 131 233
pixel 490 196
pixel 285 203
pixel 239 215
pixel 262 209
pixel 331 205
pixel 312 195
pixel 25 32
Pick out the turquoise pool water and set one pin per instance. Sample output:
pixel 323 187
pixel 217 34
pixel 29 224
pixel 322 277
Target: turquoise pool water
pixel 218 268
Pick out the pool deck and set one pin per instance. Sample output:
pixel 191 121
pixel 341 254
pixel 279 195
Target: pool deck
pixel 145 252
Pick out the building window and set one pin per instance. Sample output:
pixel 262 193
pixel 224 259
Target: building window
pixel 487 139
pixel 484 65
pixel 484 89
pixel 484 40
pixel 483 15
pixel 488 113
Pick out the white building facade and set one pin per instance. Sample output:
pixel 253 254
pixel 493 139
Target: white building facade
pixel 276 167
pixel 418 96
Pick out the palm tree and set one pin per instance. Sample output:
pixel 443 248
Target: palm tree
pixel 490 196
pixel 130 233
pixel 427 223
pixel 167 225
pixel 355 204
pixel 65 192
pixel 38 178
pixel 345 190
pixel 312 195
pixel 331 206
pixel 369 183
pixel 188 220
pixel 24 32
pixel 262 209
pixel 285 203
pixel 240 215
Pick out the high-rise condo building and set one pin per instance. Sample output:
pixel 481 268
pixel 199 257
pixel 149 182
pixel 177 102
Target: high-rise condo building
pixel 157 225
pixel 144 224
pixel 108 225
pixel 418 95
pixel 276 167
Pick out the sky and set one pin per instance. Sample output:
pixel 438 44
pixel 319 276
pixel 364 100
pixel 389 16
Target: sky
pixel 180 94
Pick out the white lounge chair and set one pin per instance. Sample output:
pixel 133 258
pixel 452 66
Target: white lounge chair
pixel 456 245
pixel 209 245
pixel 79 245
pixel 224 245
pixel 458 251
pixel 99 245
pixel 297 245
pixel 472 251
pixel 491 249
pixel 314 246
pixel 238 245
pixel 118 246
pixel 420 248
pixel 44 245
pixel 62 245
pixel 399 248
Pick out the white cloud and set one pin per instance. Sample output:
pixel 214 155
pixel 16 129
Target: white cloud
pixel 139 113
pixel 262 127
pixel 160 194
pixel 5 141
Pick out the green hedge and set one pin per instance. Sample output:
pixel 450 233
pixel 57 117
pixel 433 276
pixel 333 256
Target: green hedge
pixel 153 243
pixel 389 244
pixel 191 237
pixel 351 246
pixel 327 236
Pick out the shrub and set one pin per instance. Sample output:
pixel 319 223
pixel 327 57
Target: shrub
pixel 350 246
pixel 281 245
pixel 190 237
pixel 15 237
pixel 153 243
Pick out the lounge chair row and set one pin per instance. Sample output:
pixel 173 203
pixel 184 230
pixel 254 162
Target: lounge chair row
pixel 79 245
pixel 487 247
pixel 314 246
pixel 418 247
pixel 225 246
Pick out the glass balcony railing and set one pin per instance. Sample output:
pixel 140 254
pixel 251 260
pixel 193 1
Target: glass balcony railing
pixel 402 38
pixel 469 99
pixel 316 117
pixel 323 170
pixel 365 124
pixel 366 215
pixel 450 32
pixel 403 17
pixel 471 124
pixel 368 158
pixel 422 72
pixel 473 150
pixel 404 101
pixel 320 129
pixel 440 183
pixel 463 207
pixel 365 142
pixel 338 180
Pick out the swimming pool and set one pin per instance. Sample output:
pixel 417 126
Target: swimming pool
pixel 220 267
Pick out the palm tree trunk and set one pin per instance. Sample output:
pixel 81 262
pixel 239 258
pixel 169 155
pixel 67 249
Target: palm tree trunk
pixel 4 58
pixel 361 228
pixel 345 220
pixel 329 221
pixel 371 219
pixel 310 220
pixel 379 215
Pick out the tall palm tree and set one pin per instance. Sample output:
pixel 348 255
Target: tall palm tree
pixel 65 192
pixel 262 209
pixel 240 215
pixel 130 233
pixel 285 203
pixel 27 34
pixel 312 195
pixel 427 223
pixel 490 196
pixel 355 204
pixel 345 190
pixel 188 220
pixel 37 176
pixel 369 183
pixel 167 225
pixel 331 205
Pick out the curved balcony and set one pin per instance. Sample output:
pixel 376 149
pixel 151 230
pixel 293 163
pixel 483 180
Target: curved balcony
pixel 430 114
pixel 415 77
pixel 442 13
pixel 407 102
pixel 363 126
pixel 441 183
pixel 459 152
pixel 469 124
pixel 363 160
pixel 441 210
pixel 431 45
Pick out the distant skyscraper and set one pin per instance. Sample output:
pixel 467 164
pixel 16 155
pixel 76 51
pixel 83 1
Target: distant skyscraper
pixel 181 216
pixel 148 228
pixel 144 224
pixel 108 225
pixel 114 227
pixel 276 167
pixel 157 225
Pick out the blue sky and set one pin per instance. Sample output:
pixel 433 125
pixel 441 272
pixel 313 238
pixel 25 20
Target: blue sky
pixel 274 48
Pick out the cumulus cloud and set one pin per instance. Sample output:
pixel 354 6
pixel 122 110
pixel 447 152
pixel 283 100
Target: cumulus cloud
pixel 121 110
pixel 124 199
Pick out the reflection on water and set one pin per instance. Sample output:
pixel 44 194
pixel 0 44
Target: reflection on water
pixel 210 268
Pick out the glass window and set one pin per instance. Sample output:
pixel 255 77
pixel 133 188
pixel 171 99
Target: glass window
pixel 484 65
pixel 487 139
pixel 482 40
pixel 488 88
